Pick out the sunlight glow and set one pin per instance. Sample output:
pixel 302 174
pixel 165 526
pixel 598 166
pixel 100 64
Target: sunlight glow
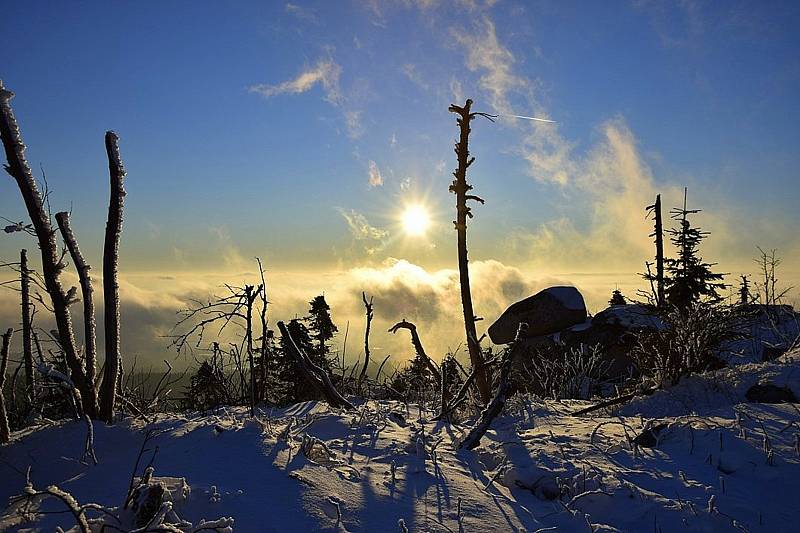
pixel 416 220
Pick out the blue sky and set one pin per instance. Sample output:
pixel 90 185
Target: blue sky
pixel 254 128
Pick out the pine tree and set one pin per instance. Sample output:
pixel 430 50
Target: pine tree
pixel 744 291
pixel 208 387
pixel 617 298
pixel 691 279
pixel 287 372
pixel 321 329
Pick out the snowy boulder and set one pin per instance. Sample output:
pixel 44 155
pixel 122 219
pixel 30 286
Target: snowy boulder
pixel 546 312
pixel 629 316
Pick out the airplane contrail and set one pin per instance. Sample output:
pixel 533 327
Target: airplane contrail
pixel 532 118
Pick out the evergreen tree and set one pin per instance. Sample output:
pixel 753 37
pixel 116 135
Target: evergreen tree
pixel 414 377
pixel 321 328
pixel 691 279
pixel 208 387
pixel 297 389
pixel 617 298
pixel 744 291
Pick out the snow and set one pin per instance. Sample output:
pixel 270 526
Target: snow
pixel 718 392
pixel 769 327
pixel 630 316
pixel 310 468
pixel 570 297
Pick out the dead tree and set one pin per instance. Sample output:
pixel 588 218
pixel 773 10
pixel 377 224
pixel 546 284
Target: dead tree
pixel 264 333
pixel 250 297
pixel 110 283
pixel 27 351
pixel 368 307
pixel 52 265
pixel 417 343
pixel 460 187
pixel 495 407
pixel 315 375
pixel 236 308
pixel 89 324
pixel 5 432
pixel 768 291
pixel 658 234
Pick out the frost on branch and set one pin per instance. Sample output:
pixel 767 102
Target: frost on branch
pixel 151 507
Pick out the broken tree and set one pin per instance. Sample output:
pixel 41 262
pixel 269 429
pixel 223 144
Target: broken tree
pixel 461 188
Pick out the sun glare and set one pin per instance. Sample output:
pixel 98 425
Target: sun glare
pixel 416 220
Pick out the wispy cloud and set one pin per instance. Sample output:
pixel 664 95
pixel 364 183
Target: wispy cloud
pixel 371 238
pixel 306 14
pixel 325 72
pixel 495 63
pixel 375 177
pixel 413 74
pixel 677 24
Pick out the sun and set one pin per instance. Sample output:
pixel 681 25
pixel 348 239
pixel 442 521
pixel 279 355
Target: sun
pixel 416 220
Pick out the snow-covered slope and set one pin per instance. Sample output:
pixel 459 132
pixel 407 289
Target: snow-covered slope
pixel 538 468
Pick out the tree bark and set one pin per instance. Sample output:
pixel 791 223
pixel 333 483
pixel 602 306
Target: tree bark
pixel 18 168
pixel 418 346
pixel 89 323
pixel 251 297
pixel 27 351
pixel 368 307
pixel 264 334
pixel 108 389
pixel 659 235
pixel 5 432
pixel 495 407
pixel 460 187
pixel 315 375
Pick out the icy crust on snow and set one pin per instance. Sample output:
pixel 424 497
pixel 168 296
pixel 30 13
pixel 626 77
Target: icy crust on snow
pixel 570 297
pixel 706 393
pixel 310 468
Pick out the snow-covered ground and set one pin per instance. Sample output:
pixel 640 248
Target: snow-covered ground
pixel 719 464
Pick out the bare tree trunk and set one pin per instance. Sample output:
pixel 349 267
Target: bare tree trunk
pixel 5 432
pixel 89 324
pixel 27 351
pixel 315 375
pixel 17 166
pixel 495 407
pixel 417 346
pixel 250 297
pixel 264 333
pixel 460 187
pixel 368 307
pixel 116 171
pixel 659 235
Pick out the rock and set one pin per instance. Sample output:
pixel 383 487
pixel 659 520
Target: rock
pixel 146 502
pixel 650 436
pixel 546 312
pixel 769 393
pixel 632 317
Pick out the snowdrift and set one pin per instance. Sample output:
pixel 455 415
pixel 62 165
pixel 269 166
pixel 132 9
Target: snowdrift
pixel 714 463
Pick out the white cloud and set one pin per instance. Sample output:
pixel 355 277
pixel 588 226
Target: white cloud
pixel 352 119
pixel 371 238
pixel 325 72
pixel 303 13
pixel 375 177
pixel 495 62
pixel 411 72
